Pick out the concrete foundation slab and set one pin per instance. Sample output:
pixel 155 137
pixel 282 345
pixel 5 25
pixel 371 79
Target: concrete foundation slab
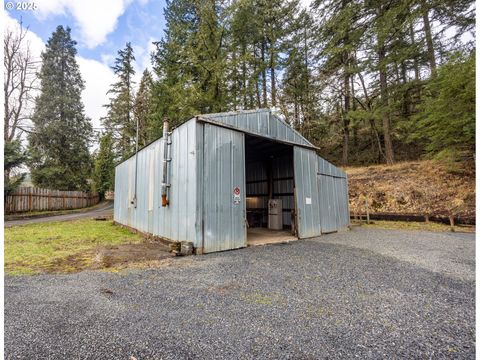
pixel 262 236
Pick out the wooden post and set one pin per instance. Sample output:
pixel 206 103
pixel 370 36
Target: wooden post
pixel 366 208
pixel 30 199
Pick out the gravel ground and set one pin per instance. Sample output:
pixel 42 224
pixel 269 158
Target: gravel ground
pixel 364 293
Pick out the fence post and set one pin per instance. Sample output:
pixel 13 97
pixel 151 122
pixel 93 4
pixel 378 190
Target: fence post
pixel 30 198
pixel 366 208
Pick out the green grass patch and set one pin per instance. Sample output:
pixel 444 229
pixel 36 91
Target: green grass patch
pixel 419 226
pixel 62 246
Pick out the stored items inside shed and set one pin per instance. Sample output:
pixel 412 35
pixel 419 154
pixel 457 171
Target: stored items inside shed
pixel 270 202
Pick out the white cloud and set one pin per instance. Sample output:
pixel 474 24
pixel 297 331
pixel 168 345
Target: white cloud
pixel 107 59
pixel 143 59
pixel 98 78
pixel 94 18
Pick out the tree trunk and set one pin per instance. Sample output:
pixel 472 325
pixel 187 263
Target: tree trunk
pixel 354 108
pixel 295 114
pixel 257 77
pixel 415 59
pixel 264 75
pixel 244 77
pixel 346 121
pixel 429 41
pixel 272 79
pixel 389 157
pixel 235 80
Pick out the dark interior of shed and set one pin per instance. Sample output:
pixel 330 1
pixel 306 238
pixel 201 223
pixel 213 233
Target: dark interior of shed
pixel 269 175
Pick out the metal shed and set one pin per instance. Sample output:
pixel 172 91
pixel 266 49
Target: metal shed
pixel 218 172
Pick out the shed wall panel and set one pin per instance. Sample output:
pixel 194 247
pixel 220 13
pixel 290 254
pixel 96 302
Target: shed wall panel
pixel 224 169
pixel 308 210
pixel 176 221
pixel 333 191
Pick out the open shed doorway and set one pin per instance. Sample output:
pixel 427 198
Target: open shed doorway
pixel 269 176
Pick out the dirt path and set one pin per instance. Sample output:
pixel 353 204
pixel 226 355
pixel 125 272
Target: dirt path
pixel 105 209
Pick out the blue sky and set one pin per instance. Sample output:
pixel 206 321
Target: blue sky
pixel 101 28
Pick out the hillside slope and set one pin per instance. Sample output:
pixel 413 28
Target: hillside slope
pixel 418 187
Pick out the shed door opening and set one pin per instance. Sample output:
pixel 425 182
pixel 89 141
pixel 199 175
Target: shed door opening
pixel 269 176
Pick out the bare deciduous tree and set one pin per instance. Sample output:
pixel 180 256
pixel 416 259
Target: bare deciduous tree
pixel 19 80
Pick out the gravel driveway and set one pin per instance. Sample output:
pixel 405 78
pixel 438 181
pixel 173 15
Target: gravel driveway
pixel 365 293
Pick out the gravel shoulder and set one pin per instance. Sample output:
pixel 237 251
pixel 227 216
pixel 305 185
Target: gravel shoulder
pixel 451 254
pixel 352 294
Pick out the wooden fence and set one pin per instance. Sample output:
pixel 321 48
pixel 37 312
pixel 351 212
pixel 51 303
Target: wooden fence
pixel 26 199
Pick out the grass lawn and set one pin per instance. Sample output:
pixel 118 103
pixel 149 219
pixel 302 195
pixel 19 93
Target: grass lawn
pixel 60 246
pixel 419 226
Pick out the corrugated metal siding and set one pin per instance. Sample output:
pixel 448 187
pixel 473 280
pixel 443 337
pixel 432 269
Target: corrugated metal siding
pixel 207 162
pixel 333 191
pixel 282 178
pixel 260 122
pixel 176 222
pixel 223 169
pixel 283 183
pixel 308 214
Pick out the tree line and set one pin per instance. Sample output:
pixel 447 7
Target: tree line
pixel 365 81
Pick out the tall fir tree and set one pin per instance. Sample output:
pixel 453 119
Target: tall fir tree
pixel 120 120
pixel 104 170
pixel 14 157
pixel 59 142
pixel 149 127
pixel 177 85
pixel 350 75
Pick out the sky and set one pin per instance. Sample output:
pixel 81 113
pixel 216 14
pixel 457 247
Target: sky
pixel 101 28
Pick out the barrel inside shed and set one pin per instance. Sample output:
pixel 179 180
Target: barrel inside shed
pixel 269 175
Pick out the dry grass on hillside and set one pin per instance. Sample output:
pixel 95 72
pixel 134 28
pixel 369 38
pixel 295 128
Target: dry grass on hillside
pixel 419 187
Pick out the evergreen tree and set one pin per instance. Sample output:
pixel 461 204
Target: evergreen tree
pixel 59 143
pixel 351 76
pixel 14 156
pixel 190 60
pixel 120 120
pixel 297 86
pixel 339 38
pixel 104 171
pixel 149 127
pixel 447 115
pixel 177 87
pixel 243 68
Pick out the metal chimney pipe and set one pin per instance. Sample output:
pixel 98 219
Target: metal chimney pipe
pixel 166 160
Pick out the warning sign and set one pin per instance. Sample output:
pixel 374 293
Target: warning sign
pixel 236 195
